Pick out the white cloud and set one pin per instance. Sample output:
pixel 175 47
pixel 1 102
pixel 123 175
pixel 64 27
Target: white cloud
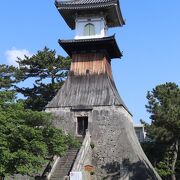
pixel 12 54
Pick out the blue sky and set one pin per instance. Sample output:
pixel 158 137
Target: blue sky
pixel 150 42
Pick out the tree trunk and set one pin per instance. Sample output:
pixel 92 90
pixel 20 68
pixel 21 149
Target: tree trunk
pixel 175 154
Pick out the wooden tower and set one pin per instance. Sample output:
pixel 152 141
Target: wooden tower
pixel 89 98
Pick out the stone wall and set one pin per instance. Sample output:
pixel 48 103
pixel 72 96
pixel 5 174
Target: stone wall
pixel 117 153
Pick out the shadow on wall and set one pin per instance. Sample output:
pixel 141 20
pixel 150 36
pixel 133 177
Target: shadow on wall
pixel 134 171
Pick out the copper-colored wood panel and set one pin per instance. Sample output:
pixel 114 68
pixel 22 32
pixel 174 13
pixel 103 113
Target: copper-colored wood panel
pixel 90 63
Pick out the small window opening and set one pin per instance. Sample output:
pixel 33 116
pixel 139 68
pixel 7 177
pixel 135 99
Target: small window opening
pixel 82 125
pixel 87 71
pixel 89 29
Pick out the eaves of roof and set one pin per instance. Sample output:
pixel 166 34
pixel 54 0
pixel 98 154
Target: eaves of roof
pixel 110 9
pixel 82 2
pixel 107 44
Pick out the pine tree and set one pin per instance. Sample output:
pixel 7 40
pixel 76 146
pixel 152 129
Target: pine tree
pixel 7 76
pixel 164 106
pixel 46 71
pixel 38 78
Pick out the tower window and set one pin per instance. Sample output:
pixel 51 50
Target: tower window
pixel 82 125
pixel 89 29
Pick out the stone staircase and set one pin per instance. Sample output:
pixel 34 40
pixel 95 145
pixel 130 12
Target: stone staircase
pixel 64 165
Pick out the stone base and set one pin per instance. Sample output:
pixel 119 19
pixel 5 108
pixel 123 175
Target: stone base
pixel 117 153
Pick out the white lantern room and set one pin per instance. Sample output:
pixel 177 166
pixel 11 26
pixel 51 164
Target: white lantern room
pixel 90 28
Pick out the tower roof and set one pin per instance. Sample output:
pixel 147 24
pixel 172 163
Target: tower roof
pixel 87 91
pixel 96 44
pixel 110 9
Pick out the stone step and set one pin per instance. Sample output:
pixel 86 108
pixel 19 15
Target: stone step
pixel 64 165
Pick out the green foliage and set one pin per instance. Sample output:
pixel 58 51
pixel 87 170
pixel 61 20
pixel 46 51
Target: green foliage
pixel 160 156
pixel 163 169
pixel 27 138
pixel 7 76
pixel 164 106
pixel 154 150
pixel 45 73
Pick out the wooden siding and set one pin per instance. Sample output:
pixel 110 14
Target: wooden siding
pixel 90 63
pixel 87 91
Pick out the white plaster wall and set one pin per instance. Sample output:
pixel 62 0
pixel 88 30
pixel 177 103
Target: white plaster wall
pixel 139 129
pixel 100 27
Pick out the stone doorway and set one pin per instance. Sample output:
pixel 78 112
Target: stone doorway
pixel 82 125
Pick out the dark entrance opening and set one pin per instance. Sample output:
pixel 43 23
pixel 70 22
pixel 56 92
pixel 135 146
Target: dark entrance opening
pixel 82 125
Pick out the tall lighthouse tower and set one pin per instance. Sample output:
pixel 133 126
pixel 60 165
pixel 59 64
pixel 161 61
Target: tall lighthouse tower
pixel 89 99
